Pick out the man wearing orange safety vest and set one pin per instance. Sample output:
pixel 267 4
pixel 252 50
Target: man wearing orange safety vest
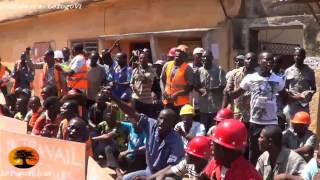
pixel 3 78
pixel 176 80
pixel 50 75
pixel 77 75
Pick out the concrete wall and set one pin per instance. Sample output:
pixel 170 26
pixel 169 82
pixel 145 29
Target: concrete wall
pixel 110 17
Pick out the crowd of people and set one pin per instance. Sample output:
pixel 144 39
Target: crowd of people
pixel 172 118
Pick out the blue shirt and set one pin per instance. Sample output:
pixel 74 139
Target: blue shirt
pixel 160 153
pixel 136 140
pixel 310 170
pixel 109 69
pixel 25 75
pixel 121 75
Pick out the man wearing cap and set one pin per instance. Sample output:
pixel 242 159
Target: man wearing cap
pixel 50 75
pixel 58 56
pixel 188 128
pixel 197 155
pixel 78 72
pixel 171 54
pixel 299 138
pixel 195 65
pixel 229 142
pixel 177 80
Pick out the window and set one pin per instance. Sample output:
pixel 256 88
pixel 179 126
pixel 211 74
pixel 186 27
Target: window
pixel 88 45
pixel 39 48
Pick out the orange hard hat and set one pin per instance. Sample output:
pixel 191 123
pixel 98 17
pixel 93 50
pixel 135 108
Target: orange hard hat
pixel 199 146
pixel 183 48
pixel 301 118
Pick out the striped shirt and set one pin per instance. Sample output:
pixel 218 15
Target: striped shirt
pixel 141 82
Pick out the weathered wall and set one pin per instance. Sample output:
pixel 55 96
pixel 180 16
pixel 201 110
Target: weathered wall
pixel 268 8
pixel 111 17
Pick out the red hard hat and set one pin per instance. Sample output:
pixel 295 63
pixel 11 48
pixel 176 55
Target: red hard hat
pixel 199 146
pixel 223 114
pixel 172 52
pixel 231 133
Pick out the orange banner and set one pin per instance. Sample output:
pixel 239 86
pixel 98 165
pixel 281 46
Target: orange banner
pixel 33 157
pixel 96 172
pixel 13 125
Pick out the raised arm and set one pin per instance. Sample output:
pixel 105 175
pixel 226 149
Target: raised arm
pixel 131 112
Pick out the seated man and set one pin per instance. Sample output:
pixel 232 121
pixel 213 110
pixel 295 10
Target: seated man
pixel 51 107
pixel 68 111
pixel 78 131
pixel 197 155
pixel 311 170
pixel 164 146
pixel 228 162
pixel 133 158
pixel 111 141
pixel 34 112
pixel 300 139
pixel 48 91
pixel 96 112
pixel 188 128
pixel 21 108
pixel 276 159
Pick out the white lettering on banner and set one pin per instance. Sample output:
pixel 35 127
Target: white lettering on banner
pixel 313 62
pixel 66 156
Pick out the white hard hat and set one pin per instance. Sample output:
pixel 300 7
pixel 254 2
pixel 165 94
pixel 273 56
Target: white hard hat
pixel 58 54
pixel 198 50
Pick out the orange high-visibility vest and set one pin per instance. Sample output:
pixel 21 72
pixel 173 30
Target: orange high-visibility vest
pixel 57 78
pixel 2 73
pixel 79 80
pixel 176 83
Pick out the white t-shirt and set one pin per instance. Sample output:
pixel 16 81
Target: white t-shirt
pixel 263 97
pixel 197 129
pixel 77 62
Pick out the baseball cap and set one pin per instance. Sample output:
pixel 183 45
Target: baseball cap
pixel 198 50
pixel 58 54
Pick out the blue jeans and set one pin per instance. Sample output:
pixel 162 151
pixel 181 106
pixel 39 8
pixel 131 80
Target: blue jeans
pixel 132 175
